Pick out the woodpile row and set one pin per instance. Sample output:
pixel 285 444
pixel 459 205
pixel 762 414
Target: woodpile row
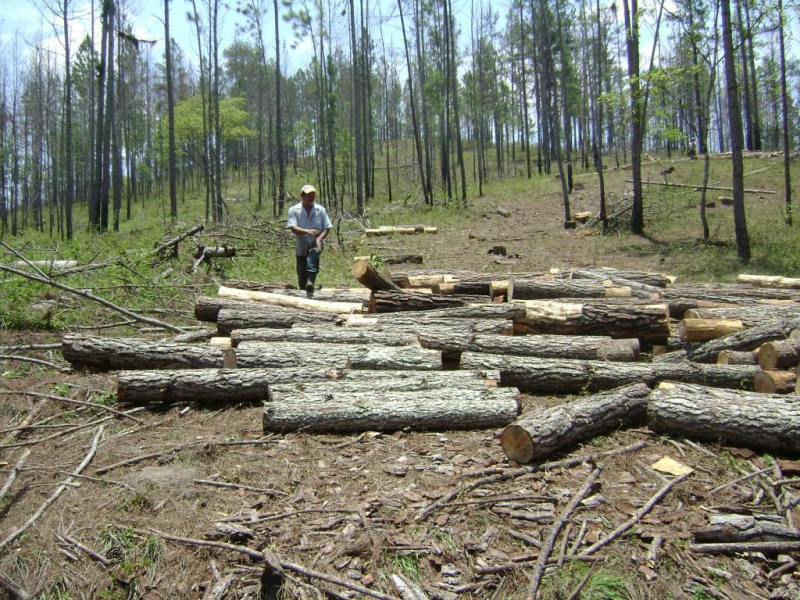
pixel 427 350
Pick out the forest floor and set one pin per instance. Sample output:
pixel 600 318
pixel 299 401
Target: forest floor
pixel 345 513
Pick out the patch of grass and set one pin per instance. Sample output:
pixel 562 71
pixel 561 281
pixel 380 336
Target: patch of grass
pixel 406 564
pixel 604 584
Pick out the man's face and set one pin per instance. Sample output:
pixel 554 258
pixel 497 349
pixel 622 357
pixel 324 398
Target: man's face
pixel 308 199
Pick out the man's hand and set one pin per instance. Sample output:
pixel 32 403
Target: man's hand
pixel 314 232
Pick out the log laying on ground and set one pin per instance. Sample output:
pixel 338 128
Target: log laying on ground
pixel 729 528
pixel 464 287
pixel 402 230
pixel 543 289
pixel 258 286
pixel 750 316
pixel 747 339
pixel 51 265
pixel 738 357
pixel 275 317
pixel 565 376
pixel 643 321
pixel 430 277
pixel 770 281
pixel 211 385
pixel 395 259
pixel 475 311
pixel 446 408
pixel 370 278
pixel 351 295
pixel 727 293
pixel 538 433
pixel 585 347
pixel 702 330
pixel 206 308
pixel 441 327
pixel 779 354
pixel 488 377
pixel 386 301
pixel 774 382
pixel 764 421
pixel 324 335
pixel 290 301
pixel 655 280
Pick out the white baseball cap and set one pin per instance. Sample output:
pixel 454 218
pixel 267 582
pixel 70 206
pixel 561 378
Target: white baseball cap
pixel 308 189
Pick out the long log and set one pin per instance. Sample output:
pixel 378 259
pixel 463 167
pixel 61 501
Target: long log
pixel 701 330
pixel 211 385
pixel 543 289
pixel 488 408
pixel 464 287
pixel 770 281
pixel 370 278
pixel 387 301
pixel 736 357
pixel 744 528
pixel 268 316
pixel 763 421
pixel 543 346
pixel 396 259
pixel 538 433
pixel 257 354
pixel 418 323
pixel 774 382
pixel 206 308
pixel 643 321
pixel 751 315
pixel 651 279
pixel 259 286
pixel 728 293
pixel 291 302
pixel 564 376
pixel 324 335
pixel 779 354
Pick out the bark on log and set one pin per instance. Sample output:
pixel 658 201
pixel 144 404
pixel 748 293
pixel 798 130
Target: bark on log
pixel 551 376
pixel 396 259
pixel 539 433
pixel 488 408
pixel 643 321
pixel 268 316
pixel 256 354
pixel 728 293
pixel 736 357
pixel 543 289
pixel 367 276
pixel 770 281
pixel 285 301
pixel 433 327
pixel 542 346
pixel 750 316
pixel 653 280
pixel 385 301
pixel 206 308
pixel 702 330
pixel 779 354
pixel 763 421
pixel 774 382
pixel 211 385
pixel 324 335
pixel 259 286
pixel 744 528
pixel 464 287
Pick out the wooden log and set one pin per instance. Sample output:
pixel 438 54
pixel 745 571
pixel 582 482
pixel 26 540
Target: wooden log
pixel 565 376
pixel 728 293
pixel 385 230
pixel 351 295
pixel 291 302
pixel 738 357
pixel 774 382
pixel 385 301
pixel 474 311
pixel 258 286
pixel 543 346
pixel 354 356
pixel 770 281
pixel 701 330
pixel 646 278
pixel 540 289
pixel 751 315
pixel 464 287
pixel 324 335
pixel 211 385
pixel 488 408
pixel 433 327
pixel 779 354
pixel 764 421
pixel 50 265
pixel 539 433
pixel 395 259
pixel 428 281
pixel 370 278
pixel 206 308
pixel 643 321
pixel 729 528
pixel 264 315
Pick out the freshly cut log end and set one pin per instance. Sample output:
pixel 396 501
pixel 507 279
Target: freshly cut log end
pixel 737 357
pixel 779 354
pixel 774 382
pixel 517 444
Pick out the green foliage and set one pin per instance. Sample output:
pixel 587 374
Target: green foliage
pixel 406 564
pixel 604 584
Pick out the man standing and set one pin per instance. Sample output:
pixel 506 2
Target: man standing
pixel 310 224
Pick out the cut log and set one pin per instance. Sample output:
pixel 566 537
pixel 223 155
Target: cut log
pixel 654 280
pixel 774 382
pixel 564 376
pixel 543 289
pixel 211 385
pixel 257 354
pixel 464 287
pixel 258 286
pixel 369 277
pixel 206 308
pixel 251 316
pixel 428 281
pixel 744 528
pixel 50 265
pixel 324 335
pixel 751 315
pixel 779 354
pixel 764 421
pixel 488 408
pixel 432 327
pixel 702 330
pixel 396 259
pixel 543 346
pixel 539 433
pixel 738 357
pixel 475 311
pixel 386 301
pixel 643 321
pixel 770 281
pixel 727 293
pixel 385 230
pixel 291 302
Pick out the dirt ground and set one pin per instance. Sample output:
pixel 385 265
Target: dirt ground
pixel 182 502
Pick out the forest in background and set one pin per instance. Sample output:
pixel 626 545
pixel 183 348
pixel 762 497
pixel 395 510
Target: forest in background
pixel 88 131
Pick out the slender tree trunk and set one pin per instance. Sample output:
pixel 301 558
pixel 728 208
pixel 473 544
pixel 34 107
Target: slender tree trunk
pixel 631 12
pixel 787 159
pixel 172 166
pixel 279 113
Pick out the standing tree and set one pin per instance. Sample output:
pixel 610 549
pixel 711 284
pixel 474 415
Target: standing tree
pixel 171 161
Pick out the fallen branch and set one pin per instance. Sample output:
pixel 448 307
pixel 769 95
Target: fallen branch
pixel 67 540
pixel 699 187
pixel 36 361
pixel 173 243
pixel 59 490
pixel 12 476
pixel 114 411
pixel 14 590
pixel 236 486
pixel 732 547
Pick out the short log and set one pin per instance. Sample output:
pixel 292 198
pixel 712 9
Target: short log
pixel 275 317
pixel 386 301
pixel 774 382
pixel 539 433
pixel 779 354
pixel 738 357
pixel 702 330
pixel 764 421
pixel 488 408
pixel 751 315
pixel 370 278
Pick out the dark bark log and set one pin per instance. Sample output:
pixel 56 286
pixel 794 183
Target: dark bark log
pixel 324 335
pixel 750 316
pixel 779 354
pixel 764 421
pixel 250 316
pixel 539 433
pixel 386 301
pixel 397 259
pixel 488 408
pixel 647 321
pixel 543 289
pixel 744 528
pixel 431 327
pixel 736 357
pixel 728 293
pixel 258 286
pixel 654 280
pixel 206 308
pixel 367 276
pixel 211 385
pixel 256 354
pixel 550 376
pixel 774 382
pixel 464 287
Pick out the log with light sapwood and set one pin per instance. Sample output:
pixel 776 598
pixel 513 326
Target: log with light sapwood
pixel 539 433
pixel 446 409
pixel 387 301
pixel 354 356
pixel 324 335
pixel 770 281
pixel 774 382
pixel 543 289
pixel 50 265
pixel 702 330
pixel 263 315
pixel 428 281
pixel 585 347
pixel 728 293
pixel 679 306
pixel 779 354
pixel 285 301
pixel 751 315
pixel 738 357
pixel 396 259
pixel 567 376
pixel 211 385
pixel 764 421
pixel 651 279
pixel 434 327
pixel 370 278
pixel 643 321
pixel 727 528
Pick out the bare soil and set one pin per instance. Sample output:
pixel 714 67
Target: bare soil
pixel 444 509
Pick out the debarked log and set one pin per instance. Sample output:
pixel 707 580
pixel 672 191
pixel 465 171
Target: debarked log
pixel 539 433
pixel 275 317
pixel 291 301
pixel 551 376
pixel 211 385
pixel 389 301
pixel 764 421
pixel 585 347
pixel 643 321
pixel 544 289
pixel 446 409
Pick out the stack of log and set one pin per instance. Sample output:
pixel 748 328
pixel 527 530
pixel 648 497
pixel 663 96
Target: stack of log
pixel 390 357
